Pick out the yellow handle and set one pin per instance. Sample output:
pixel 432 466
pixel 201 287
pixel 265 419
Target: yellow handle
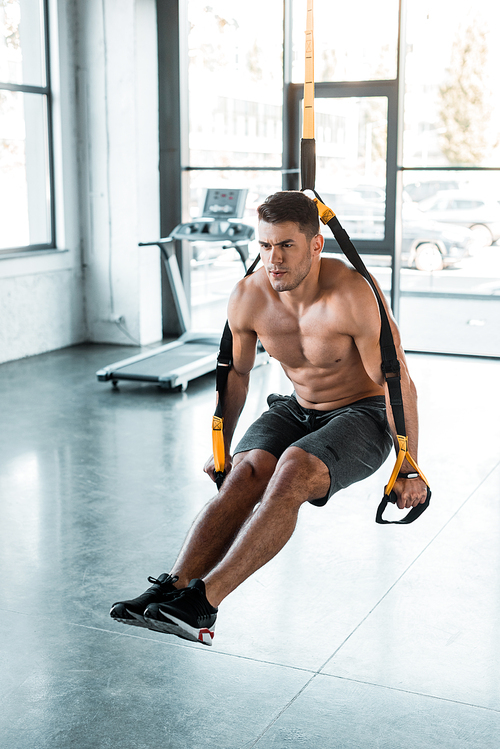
pixel 218 444
pixel 402 454
pixel 308 121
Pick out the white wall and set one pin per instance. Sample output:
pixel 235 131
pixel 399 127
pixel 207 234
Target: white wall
pixel 119 153
pixel 104 78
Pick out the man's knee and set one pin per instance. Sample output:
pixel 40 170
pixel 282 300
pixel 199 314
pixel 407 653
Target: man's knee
pixel 254 465
pixel 306 475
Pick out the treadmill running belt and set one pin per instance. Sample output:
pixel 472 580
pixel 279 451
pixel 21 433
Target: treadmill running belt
pixel 159 364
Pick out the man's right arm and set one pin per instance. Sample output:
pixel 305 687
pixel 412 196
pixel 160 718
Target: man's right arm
pixel 244 349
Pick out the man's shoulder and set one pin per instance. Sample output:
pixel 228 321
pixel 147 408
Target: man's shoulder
pixel 350 294
pixel 342 278
pixel 247 296
pixel 248 286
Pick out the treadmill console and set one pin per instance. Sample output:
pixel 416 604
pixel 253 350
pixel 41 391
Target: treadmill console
pixel 214 231
pixel 219 203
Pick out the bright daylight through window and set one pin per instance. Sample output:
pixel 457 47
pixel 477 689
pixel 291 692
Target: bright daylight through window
pixel 450 263
pixel 235 120
pixel 25 175
pixel 451 179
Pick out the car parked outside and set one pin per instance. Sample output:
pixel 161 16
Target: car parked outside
pixel 418 191
pixel 480 214
pixel 428 245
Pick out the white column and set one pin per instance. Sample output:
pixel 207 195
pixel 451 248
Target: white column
pixel 118 100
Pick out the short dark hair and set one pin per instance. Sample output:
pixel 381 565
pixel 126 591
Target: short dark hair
pixel 291 205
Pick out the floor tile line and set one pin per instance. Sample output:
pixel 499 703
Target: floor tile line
pixel 176 642
pixel 414 693
pixel 410 691
pixel 366 683
pixel 281 712
pixel 411 564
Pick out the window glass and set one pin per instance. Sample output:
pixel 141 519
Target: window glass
pixel 450 278
pixel 351 156
pixel 215 270
pixel 452 100
pixel 21 42
pixel 24 173
pixel 235 83
pixel 345 49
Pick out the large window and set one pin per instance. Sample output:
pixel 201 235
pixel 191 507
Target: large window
pixel 355 41
pixel 351 161
pixel 431 237
pixel 451 177
pixel 235 82
pixel 26 214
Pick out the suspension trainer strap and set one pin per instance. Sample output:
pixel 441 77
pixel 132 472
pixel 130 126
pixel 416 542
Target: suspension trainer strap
pixel 391 369
pixel 224 364
pixel 390 364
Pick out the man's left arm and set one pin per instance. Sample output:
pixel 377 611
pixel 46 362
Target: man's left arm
pixel 409 492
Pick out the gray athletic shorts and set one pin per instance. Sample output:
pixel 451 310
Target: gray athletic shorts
pixel 352 441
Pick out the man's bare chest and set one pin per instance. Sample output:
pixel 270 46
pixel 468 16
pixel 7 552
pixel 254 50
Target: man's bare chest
pixel 314 339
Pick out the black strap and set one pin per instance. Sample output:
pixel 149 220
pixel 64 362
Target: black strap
pixel 390 367
pixel 225 355
pixel 224 364
pixel 390 363
pixel 414 513
pixel 308 163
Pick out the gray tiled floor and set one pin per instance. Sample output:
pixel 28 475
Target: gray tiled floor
pixel 356 635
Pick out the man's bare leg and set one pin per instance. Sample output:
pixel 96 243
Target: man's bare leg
pixel 298 477
pixel 211 536
pixel 219 523
pixel 247 542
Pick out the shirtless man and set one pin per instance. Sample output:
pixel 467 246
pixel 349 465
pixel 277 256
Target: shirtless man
pixel 320 319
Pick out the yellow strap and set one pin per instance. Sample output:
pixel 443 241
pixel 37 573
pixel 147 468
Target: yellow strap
pixel 308 121
pixel 326 214
pixel 218 444
pixel 402 454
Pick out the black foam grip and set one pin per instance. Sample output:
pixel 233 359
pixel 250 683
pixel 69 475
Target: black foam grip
pixel 308 163
pixel 414 513
pixel 219 478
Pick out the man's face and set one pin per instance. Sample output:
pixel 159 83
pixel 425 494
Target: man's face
pixel 286 253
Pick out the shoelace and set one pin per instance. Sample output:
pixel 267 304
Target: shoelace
pixel 168 580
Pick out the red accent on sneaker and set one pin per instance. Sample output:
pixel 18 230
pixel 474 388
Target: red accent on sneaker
pixel 205 632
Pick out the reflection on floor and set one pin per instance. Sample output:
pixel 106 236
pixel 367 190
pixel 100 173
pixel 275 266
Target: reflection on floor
pixel 356 635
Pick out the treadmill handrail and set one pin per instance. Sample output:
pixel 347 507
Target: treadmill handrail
pixel 165 240
pixel 175 280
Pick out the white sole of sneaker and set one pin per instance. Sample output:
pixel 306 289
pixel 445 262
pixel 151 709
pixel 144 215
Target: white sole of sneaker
pixel 136 621
pixel 174 626
pixel 166 628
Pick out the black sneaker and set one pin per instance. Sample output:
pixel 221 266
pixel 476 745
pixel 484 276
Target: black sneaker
pixel 132 612
pixel 188 614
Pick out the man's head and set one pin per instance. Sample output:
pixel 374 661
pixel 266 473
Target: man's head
pixel 289 238
pixel 291 205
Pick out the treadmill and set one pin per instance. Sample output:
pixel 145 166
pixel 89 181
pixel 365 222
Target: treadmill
pixel 193 354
